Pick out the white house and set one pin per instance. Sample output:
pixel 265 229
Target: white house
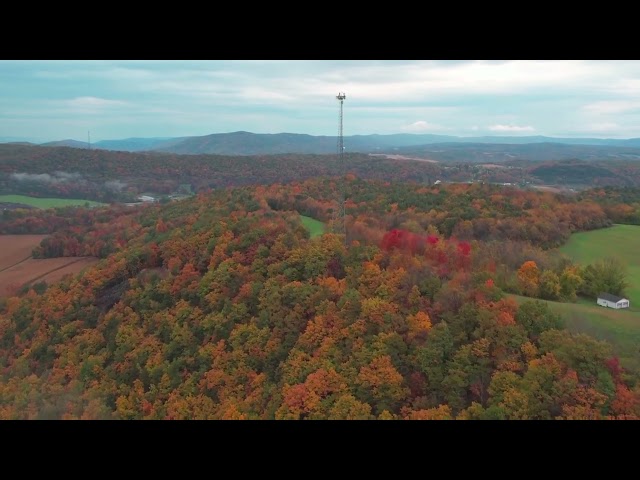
pixel 146 198
pixel 611 301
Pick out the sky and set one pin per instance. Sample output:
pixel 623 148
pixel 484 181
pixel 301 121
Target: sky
pixel 54 99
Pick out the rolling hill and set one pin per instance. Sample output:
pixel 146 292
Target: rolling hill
pixel 66 143
pixel 137 144
pixel 247 143
pixel 224 306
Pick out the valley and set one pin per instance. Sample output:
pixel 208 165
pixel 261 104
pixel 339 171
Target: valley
pixel 101 176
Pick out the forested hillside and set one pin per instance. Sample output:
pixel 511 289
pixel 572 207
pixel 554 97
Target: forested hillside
pixel 221 306
pixel 622 205
pixel 247 143
pixel 109 176
pixel 106 176
pixel 467 211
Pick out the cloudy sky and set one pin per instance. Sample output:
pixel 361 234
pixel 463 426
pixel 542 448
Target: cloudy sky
pixel 54 100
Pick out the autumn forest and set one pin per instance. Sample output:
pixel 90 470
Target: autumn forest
pixel 223 306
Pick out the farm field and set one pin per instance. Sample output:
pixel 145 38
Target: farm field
pixel 315 227
pixel 36 270
pixel 16 248
pixel 47 202
pixel 17 268
pixel 75 265
pixel 619 241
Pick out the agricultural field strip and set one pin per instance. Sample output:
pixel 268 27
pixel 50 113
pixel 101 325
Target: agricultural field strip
pixel 74 260
pixel 17 263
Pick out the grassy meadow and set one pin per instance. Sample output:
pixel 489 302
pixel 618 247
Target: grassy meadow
pixel 621 328
pixel 315 227
pixel 621 241
pixel 47 202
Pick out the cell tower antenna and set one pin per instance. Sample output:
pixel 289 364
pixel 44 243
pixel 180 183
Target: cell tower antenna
pixel 343 171
pixel 89 138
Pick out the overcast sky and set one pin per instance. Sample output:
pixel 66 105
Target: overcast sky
pixel 54 100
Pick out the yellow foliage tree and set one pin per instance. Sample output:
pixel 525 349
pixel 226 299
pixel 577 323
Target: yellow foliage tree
pixel 419 325
pixel 529 278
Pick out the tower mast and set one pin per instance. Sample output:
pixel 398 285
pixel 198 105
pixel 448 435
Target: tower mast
pixel 342 228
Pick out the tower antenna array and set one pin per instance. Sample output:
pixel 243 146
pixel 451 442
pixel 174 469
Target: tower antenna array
pixel 89 138
pixel 342 228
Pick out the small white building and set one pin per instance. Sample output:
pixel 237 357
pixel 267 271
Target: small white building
pixel 612 301
pixel 146 198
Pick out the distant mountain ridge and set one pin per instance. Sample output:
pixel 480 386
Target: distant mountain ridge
pixel 66 143
pixel 247 143
pixel 138 144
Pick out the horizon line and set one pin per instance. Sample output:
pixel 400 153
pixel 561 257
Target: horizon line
pixel 17 139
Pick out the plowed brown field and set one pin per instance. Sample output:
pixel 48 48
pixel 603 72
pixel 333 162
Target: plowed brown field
pixel 17 268
pixel 16 248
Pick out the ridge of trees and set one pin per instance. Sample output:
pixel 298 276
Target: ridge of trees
pixel 221 306
pixel 109 176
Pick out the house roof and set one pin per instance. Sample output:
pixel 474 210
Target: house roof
pixel 610 298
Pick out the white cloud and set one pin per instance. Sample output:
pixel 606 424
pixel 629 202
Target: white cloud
pixel 259 95
pixel 510 128
pixel 422 126
pixel 94 102
pixel 611 107
pixel 117 99
pixel 624 85
pixel 602 127
pixel 306 82
pixel 57 177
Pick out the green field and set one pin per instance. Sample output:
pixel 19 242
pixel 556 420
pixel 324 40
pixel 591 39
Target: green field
pixel 621 328
pixel 315 227
pixel 47 202
pixel 621 241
